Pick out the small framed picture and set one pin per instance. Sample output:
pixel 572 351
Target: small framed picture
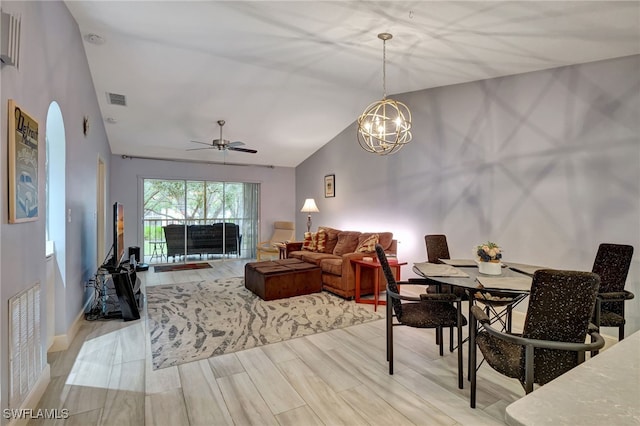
pixel 329 186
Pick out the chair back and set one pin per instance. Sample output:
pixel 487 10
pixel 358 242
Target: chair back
pixel 437 247
pixel 391 279
pixel 283 231
pixel 612 264
pixel 174 236
pixel 560 307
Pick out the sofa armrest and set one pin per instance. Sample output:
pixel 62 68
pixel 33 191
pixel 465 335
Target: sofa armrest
pixel 393 248
pixel 293 246
pixel 349 269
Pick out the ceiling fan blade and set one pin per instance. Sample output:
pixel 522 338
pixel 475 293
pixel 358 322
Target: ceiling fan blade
pixel 236 143
pixel 250 151
pixel 200 149
pixel 203 143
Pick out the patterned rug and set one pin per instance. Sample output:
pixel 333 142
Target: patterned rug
pixel 181 267
pixel 198 320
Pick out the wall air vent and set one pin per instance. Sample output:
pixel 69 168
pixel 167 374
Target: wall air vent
pixel 9 39
pixel 116 99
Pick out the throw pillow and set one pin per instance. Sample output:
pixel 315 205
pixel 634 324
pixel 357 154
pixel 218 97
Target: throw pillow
pixel 321 240
pixel 368 244
pixel 310 241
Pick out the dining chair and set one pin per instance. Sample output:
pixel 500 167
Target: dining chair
pixel 552 342
pixel 282 231
pixel 437 248
pixel 428 310
pixel 499 305
pixel 612 264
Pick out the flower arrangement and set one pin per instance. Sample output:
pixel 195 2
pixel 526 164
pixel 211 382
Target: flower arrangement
pixel 489 252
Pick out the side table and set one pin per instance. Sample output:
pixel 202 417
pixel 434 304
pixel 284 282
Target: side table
pixel 282 250
pixel 377 267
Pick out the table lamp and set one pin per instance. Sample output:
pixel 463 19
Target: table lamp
pixel 309 207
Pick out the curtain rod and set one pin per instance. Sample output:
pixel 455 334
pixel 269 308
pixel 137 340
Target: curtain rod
pixel 131 157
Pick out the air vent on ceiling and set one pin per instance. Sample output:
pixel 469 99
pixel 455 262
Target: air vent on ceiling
pixel 116 99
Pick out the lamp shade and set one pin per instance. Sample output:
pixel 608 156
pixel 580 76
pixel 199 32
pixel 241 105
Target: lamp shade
pixel 310 206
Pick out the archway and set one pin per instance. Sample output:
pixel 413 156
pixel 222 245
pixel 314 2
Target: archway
pixel 55 214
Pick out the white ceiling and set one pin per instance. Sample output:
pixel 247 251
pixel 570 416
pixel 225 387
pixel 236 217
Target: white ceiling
pixel 288 76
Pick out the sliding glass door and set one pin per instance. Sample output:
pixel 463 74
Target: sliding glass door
pixel 193 220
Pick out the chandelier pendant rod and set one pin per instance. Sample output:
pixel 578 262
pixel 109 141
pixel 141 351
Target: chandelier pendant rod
pixel 384 37
pixel 384 68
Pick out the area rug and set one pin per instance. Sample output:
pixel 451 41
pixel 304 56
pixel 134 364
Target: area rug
pixel 181 267
pixel 198 320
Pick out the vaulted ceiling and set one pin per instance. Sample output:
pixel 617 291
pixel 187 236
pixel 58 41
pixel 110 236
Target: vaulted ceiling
pixel 288 76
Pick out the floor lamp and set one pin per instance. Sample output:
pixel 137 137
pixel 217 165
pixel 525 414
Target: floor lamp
pixel 309 207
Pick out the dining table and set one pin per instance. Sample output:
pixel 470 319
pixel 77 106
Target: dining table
pixel 515 279
pixel 508 289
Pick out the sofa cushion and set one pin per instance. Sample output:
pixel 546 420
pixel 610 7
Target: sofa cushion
pixel 311 256
pixel 331 265
pixel 367 243
pixel 347 242
pixel 332 238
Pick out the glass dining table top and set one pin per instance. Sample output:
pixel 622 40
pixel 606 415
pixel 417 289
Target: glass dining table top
pixel 471 278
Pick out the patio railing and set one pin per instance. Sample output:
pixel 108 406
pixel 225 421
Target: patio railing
pixel 154 240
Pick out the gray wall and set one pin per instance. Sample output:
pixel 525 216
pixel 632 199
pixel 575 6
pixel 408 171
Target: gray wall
pixel 53 67
pixel 277 188
pixel 547 164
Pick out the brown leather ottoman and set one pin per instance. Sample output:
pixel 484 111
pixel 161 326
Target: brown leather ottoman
pixel 282 278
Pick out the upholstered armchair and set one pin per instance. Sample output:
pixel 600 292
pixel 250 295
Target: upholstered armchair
pixel 282 231
pixel 558 318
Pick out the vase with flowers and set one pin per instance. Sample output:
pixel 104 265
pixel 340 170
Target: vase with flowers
pixel 488 256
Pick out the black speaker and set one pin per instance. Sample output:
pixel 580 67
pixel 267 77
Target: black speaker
pixel 128 290
pixel 134 251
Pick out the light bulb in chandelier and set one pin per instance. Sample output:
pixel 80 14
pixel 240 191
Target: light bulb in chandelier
pixel 385 126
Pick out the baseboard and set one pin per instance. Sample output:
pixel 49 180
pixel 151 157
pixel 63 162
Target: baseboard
pixel 63 341
pixel 27 410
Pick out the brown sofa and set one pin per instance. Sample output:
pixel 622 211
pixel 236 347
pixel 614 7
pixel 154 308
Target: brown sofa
pixel 334 259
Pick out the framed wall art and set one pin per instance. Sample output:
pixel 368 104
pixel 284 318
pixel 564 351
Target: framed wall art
pixel 329 186
pixel 23 165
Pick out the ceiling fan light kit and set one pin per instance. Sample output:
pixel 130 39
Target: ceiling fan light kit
pixel 223 144
pixel 385 126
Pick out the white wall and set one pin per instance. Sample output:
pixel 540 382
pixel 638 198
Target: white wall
pixel 53 66
pixel 277 188
pixel 547 164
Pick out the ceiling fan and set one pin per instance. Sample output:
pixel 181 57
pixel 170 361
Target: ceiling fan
pixel 223 144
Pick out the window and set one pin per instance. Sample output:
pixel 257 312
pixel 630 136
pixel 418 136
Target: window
pixel 184 203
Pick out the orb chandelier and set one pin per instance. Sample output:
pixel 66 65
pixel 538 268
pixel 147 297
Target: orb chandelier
pixel 385 126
